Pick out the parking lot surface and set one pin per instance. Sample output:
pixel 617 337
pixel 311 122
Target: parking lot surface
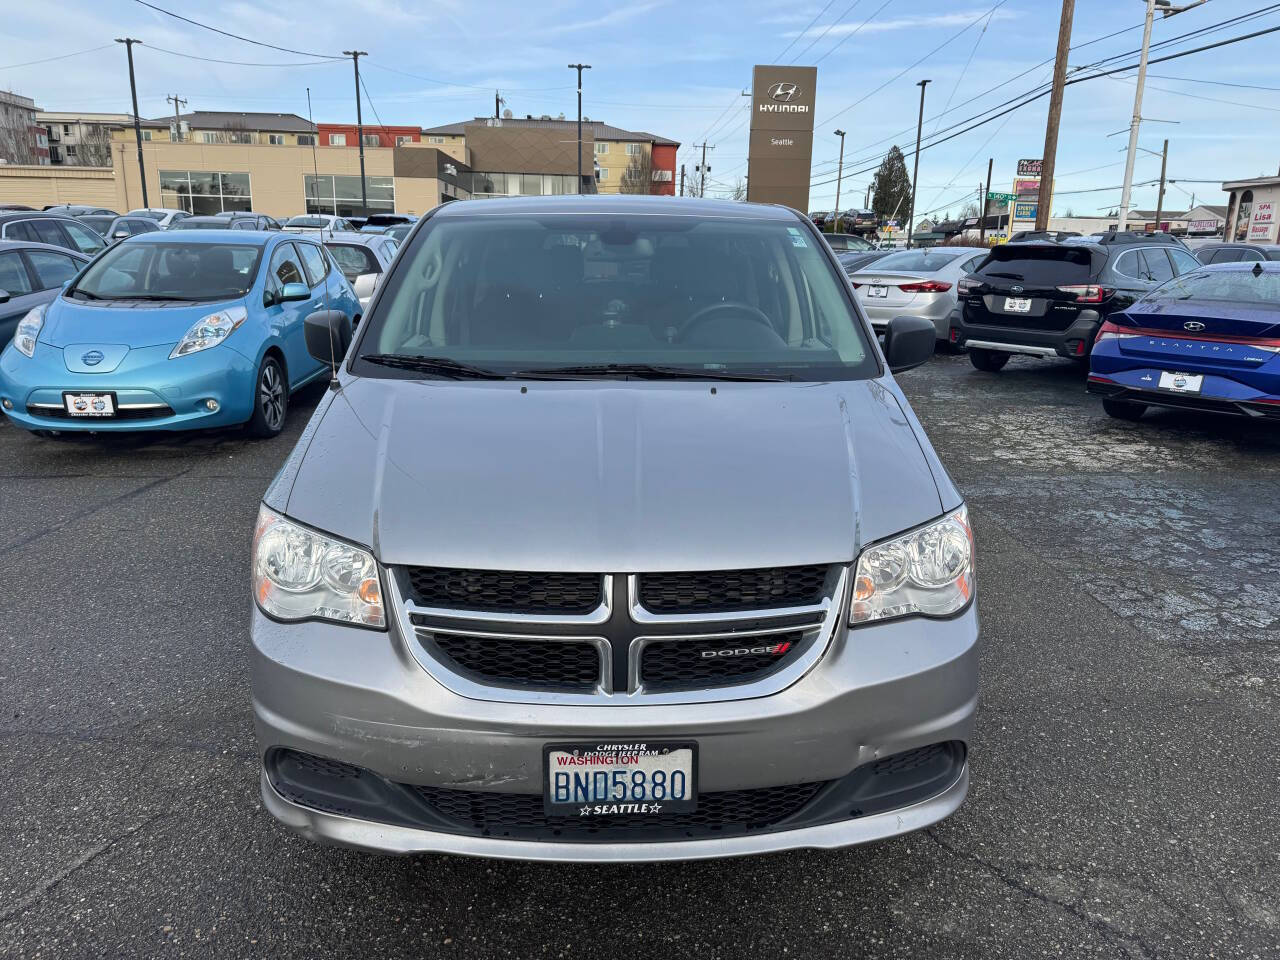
pixel 1124 776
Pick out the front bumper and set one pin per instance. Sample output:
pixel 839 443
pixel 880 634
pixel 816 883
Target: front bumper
pixel 151 391
pixel 361 698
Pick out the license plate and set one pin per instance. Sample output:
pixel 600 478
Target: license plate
pixel 90 404
pixel 1181 382
pixel 1017 305
pixel 635 780
pixel 877 291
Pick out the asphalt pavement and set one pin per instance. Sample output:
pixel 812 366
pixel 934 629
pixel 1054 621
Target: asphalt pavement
pixel 1124 775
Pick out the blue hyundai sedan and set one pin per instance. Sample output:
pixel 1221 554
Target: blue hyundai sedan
pixel 1206 340
pixel 175 331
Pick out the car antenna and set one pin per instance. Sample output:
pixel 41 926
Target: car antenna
pixel 315 170
pixel 1257 269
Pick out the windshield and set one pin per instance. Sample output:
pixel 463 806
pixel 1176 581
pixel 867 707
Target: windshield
pixel 1231 286
pixel 307 222
pixel 191 223
pixel 520 293
pixel 156 215
pixel 920 261
pixel 170 271
pixel 101 224
pixel 1046 265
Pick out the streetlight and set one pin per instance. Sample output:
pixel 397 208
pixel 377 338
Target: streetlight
pixel 915 165
pixel 579 67
pixel 839 177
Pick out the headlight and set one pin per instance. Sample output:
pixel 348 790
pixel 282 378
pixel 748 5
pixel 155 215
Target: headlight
pixel 209 331
pixel 299 574
pixel 928 571
pixel 24 337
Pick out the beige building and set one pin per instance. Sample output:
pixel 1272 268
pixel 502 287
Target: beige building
pixel 80 139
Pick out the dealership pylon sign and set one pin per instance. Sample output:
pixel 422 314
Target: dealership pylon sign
pixel 781 146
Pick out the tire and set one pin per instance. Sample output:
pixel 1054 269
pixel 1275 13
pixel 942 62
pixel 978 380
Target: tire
pixel 270 400
pixel 991 361
pixel 1124 409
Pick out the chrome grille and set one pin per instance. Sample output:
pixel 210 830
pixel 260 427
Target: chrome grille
pixel 620 650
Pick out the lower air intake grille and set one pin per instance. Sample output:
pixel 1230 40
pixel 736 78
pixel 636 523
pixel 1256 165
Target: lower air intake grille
pixel 505 591
pixel 722 591
pixel 522 815
pixel 667 665
pixel 517 662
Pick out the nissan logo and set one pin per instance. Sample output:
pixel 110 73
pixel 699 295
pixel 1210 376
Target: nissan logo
pixel 784 92
pixel 1194 326
pixel 92 358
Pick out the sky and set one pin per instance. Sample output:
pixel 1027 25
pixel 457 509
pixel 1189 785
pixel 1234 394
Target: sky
pixel 679 70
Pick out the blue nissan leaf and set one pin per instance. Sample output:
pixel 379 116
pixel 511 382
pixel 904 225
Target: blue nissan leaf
pixel 175 331
pixel 1206 340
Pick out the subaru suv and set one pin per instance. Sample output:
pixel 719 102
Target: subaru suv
pixel 1049 299
pixel 613 539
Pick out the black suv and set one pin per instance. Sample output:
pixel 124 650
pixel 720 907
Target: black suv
pixel 1048 299
pixel 1237 252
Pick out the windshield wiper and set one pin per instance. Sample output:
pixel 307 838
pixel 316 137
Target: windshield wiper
pixel 77 292
pixel 165 297
pixel 641 371
pixel 441 366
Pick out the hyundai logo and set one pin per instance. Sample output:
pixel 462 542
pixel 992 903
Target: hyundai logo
pixel 1195 326
pixel 784 92
pixel 92 358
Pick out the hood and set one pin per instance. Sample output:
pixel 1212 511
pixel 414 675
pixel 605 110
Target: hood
pixel 122 323
pixel 611 476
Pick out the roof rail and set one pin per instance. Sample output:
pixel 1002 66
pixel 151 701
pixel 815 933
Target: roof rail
pixel 1135 236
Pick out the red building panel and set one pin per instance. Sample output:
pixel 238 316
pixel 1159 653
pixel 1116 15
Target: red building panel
pixel 386 135
pixel 664 169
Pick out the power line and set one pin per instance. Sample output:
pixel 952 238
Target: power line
pixel 235 36
pixel 78 53
pixel 840 43
pixel 779 57
pixel 487 88
pixel 1195 96
pixel 240 63
pixel 1216 83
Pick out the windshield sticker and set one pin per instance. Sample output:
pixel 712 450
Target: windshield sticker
pixel 797 240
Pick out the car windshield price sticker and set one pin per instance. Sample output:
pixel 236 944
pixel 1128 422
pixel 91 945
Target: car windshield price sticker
pixel 632 780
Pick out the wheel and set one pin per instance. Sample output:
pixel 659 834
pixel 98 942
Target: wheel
pixel 270 400
pixel 989 360
pixel 1124 409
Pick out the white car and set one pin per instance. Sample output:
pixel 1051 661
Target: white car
pixel 915 283
pixel 362 258
pixel 318 223
pixel 164 216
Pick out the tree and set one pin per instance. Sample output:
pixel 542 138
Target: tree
pixel 739 190
pixel 638 176
pixel 17 144
pixel 94 149
pixel 891 189
pixel 970 210
pixel 1069 212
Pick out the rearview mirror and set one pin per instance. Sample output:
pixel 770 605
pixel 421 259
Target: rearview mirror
pixel 293 292
pixel 328 334
pixel 908 342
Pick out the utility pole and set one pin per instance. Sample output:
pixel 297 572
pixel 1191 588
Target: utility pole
pixel 839 177
pixel 177 123
pixel 355 56
pixel 915 164
pixel 1164 163
pixel 702 169
pixel 497 105
pixel 682 179
pixel 1050 155
pixel 866 205
pixel 982 207
pixel 579 67
pixel 137 122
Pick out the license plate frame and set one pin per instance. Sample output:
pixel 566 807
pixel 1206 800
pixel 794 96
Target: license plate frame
pixel 879 291
pixel 1191 382
pixel 90 404
pixel 1017 304
pixel 664 754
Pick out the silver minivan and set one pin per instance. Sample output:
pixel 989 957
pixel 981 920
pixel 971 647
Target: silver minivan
pixel 614 539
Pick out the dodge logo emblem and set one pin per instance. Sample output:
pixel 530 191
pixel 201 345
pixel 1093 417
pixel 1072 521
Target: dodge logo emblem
pixel 1195 326
pixel 784 92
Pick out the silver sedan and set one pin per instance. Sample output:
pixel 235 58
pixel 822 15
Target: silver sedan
pixel 915 283
pixel 362 258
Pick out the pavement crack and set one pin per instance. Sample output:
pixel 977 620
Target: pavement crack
pixel 1097 924
pixel 93 853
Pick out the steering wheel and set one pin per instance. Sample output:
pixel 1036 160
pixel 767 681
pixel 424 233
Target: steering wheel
pixel 751 313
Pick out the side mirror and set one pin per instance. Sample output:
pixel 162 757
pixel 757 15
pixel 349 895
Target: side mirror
pixel 4 296
pixel 293 292
pixel 366 284
pixel 908 342
pixel 120 234
pixel 328 334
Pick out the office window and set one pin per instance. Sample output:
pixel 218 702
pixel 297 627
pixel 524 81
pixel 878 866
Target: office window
pixel 203 192
pixel 634 149
pixel 602 173
pixel 306 139
pixel 146 134
pixel 275 139
pixel 340 195
pixel 602 148
pixel 401 141
pixel 337 139
pixel 372 140
pixel 435 139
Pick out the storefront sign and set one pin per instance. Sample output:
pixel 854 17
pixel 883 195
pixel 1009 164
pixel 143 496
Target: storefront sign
pixel 1025 210
pixel 1263 224
pixel 780 148
pixel 1203 226
pixel 1030 168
